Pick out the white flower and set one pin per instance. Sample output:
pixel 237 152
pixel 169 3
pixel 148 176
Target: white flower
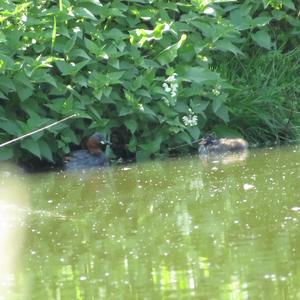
pixel 217 90
pixel 170 86
pixel 24 18
pixel 190 120
pixel 174 86
pixel 167 27
pixel 172 78
pixel 203 58
pixel 166 87
pixel 76 29
pixel 173 94
pixel 166 100
pixel 209 11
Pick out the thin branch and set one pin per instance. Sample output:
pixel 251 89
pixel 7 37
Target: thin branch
pixel 38 130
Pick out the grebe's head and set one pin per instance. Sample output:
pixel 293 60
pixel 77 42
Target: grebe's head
pixel 209 140
pixel 96 142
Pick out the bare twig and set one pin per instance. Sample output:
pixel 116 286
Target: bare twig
pixel 38 130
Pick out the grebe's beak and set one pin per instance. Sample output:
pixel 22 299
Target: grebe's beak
pixel 105 143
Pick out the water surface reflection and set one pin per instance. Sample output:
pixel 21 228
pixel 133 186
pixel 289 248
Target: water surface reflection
pixel 178 229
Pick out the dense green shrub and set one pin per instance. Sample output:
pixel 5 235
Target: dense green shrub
pixel 147 73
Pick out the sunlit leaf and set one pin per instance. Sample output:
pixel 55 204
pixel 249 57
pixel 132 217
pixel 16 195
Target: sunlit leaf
pixel 170 53
pixel 53 34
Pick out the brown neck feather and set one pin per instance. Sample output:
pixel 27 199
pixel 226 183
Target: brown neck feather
pixel 93 147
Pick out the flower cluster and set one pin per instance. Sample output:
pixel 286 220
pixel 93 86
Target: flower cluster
pixel 190 120
pixel 170 85
pixel 217 90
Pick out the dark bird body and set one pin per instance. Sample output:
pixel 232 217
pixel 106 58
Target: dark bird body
pixel 93 157
pixel 212 145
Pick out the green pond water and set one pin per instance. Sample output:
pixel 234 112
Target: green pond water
pixel 177 229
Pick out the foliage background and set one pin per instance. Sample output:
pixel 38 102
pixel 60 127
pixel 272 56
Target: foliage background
pixel 152 75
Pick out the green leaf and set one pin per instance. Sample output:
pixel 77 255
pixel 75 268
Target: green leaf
pixel 289 4
pixel 107 91
pixel 132 125
pixel 184 137
pixel 154 146
pixel 6 153
pixel 23 91
pixel 217 103
pixel 79 53
pixel 181 107
pixel 8 63
pixel 7 83
pixel 95 112
pixel 32 146
pixel 225 131
pixel 124 111
pixel 132 144
pixel 198 106
pixel 114 77
pixel 2 37
pixel 115 63
pixel 170 53
pixel 70 44
pixel 194 132
pixel 10 127
pixel 225 45
pixel 84 13
pixel 45 150
pixel 95 2
pixel 43 76
pixel 222 113
pixel 199 75
pixel 261 21
pixel 115 34
pixel 23 79
pixel 143 93
pixel 92 46
pixel 262 38
pixel 241 17
pixel 2 96
pixel 70 69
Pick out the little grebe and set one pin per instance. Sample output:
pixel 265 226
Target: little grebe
pixel 212 145
pixel 93 157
